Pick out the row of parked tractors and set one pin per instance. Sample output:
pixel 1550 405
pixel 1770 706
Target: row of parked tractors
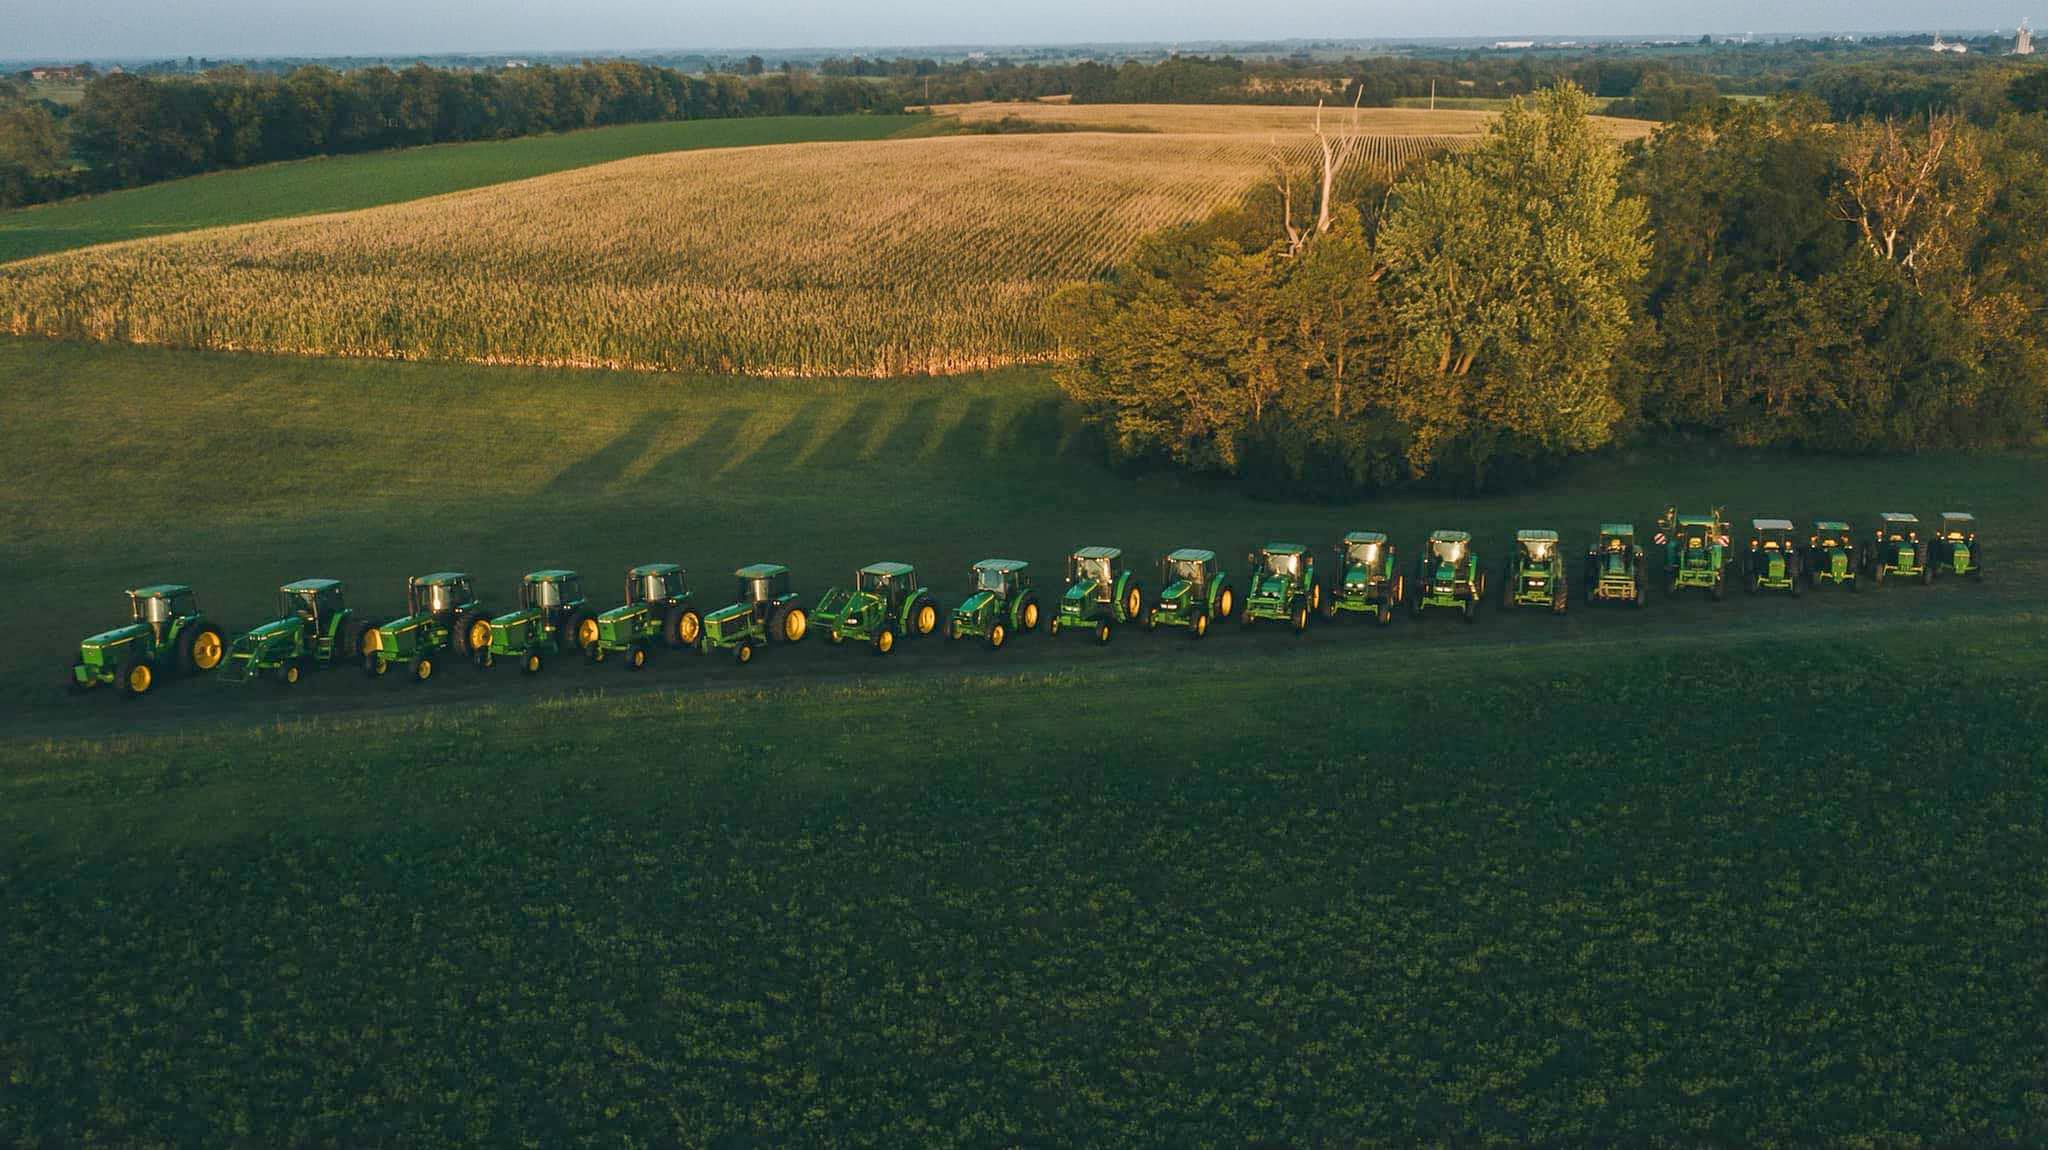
pixel 1287 583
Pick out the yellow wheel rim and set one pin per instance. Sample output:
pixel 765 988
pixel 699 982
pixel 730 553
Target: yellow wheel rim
pixel 140 677
pixel 1131 604
pixel 291 674
pixel 1315 596
pixel 1030 616
pixel 1224 602
pixel 927 618
pixel 687 630
pixel 206 650
pixel 586 632
pixel 639 657
pixel 996 635
pixel 885 641
pixel 746 654
pixel 1201 624
pixel 479 635
pixel 533 662
pixel 425 670
pixel 795 624
pixel 1102 632
pixel 373 640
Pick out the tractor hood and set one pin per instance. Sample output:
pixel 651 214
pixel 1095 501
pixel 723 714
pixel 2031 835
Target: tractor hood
pixel 1175 592
pixel 283 628
pixel 1081 593
pixel 723 615
pixel 117 635
pixel 1270 586
pixel 975 605
pixel 625 614
pixel 1357 576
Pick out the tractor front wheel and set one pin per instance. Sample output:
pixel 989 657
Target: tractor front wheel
pixel 1469 609
pixel 1199 626
pixel 1385 614
pixel 422 669
pixel 1561 604
pixel 885 639
pixel 744 653
pixel 289 673
pixel 996 635
pixel 1721 586
pixel 1330 608
pixel 1102 630
pixel 1927 575
pixel 1300 618
pixel 137 678
pixel 636 659
pixel 373 666
pixel 1877 575
pixel 484 659
pixel 533 663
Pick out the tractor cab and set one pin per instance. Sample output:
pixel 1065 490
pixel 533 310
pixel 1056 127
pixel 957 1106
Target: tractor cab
pixel 656 583
pixel 999 577
pixel 1831 534
pixel 314 600
pixel 1281 560
pixel 762 585
pixel 1955 548
pixel 1898 527
pixel 1535 573
pixel 1363 551
pixel 1536 546
pixel 1896 549
pixel 1773 561
pixel 1447 549
pixel 550 590
pixel 1617 543
pixel 888 582
pixel 156 606
pixel 442 593
pixel 1190 568
pixel 1094 568
pixel 1614 567
pixel 1831 554
pixel 1958 526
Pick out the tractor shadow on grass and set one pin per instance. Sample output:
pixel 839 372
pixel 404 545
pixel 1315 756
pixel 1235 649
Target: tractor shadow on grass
pixel 604 467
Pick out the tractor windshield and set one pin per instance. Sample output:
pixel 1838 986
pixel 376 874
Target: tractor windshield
pixel 1362 554
pixel 1282 565
pixel 548 594
pixel 991 579
pixel 438 597
pixel 656 587
pixel 1616 543
pixel 1447 550
pixel 876 584
pixel 1192 571
pixel 297 603
pixel 1538 550
pixel 153 609
pixel 1082 570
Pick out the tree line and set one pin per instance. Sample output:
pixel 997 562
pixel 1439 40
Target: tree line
pixel 131 130
pixel 1755 273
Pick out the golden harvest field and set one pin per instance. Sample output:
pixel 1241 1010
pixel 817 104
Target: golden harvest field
pixel 874 258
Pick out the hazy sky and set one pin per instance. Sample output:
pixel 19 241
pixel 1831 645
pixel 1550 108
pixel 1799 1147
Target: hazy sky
pixel 124 28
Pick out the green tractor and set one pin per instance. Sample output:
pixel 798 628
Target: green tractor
pixel 1773 561
pixel 1534 576
pixel 1099 595
pixel 553 619
pixel 1831 554
pixel 1896 550
pixel 884 603
pixel 1615 571
pixel 1695 550
pixel 657 612
pixel 1283 588
pixel 315 627
pixel 1193 591
pixel 442 613
pixel 1004 603
pixel 767 610
pixel 1448 575
pixel 1372 583
pixel 1955 548
pixel 166 633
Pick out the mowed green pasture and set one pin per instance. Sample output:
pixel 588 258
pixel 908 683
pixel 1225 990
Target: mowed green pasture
pixel 345 183
pixel 1754 872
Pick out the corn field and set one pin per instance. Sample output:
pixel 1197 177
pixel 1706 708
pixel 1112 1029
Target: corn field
pixel 910 256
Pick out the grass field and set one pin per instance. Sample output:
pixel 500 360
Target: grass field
pixel 1758 872
pixel 930 255
pixel 346 183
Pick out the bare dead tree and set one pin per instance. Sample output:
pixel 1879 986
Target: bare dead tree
pixel 1898 189
pixel 1334 155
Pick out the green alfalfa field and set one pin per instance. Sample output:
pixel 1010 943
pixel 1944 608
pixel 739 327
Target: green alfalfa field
pixel 1756 872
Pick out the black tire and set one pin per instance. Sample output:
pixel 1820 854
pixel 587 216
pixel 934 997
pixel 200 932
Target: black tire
pixel 568 638
pixel 1025 608
pixel 884 642
pixel 351 638
pixel 744 653
pixel 1384 613
pixel 1299 616
pixel 130 684
pixel 681 626
pixel 1469 610
pixel 1104 631
pixel 464 624
pixel 533 664
pixel 374 667
pixel 637 658
pixel 185 661
pixel 289 673
pixel 1198 627
pixel 1330 607
pixel 483 660
pixel 1927 575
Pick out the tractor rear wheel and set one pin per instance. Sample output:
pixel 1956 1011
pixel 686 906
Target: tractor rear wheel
pixel 470 628
pixel 200 649
pixel 997 634
pixel 348 642
pixel 1134 603
pixel 682 627
pixel 578 631
pixel 1027 618
pixel 1225 600
pixel 924 618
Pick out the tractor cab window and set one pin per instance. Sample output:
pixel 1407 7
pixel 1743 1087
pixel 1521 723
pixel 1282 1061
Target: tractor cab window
pixel 298 603
pixel 877 584
pixel 1537 549
pixel 755 591
pixel 1283 565
pixel 1362 554
pixel 1082 570
pixel 657 587
pixel 991 579
pixel 1447 550
pixel 1617 543
pixel 154 610
pixel 436 598
pixel 1191 571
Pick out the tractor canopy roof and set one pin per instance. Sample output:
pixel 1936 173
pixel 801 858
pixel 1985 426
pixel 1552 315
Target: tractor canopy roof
pixel 1899 517
pixel 306 586
pixel 1284 549
pixel 160 591
pixel 761 571
pixel 440 577
pixel 1835 526
pixel 1450 537
pixel 1767 525
pixel 1536 536
pixel 646 569
pixel 551 575
pixel 1611 529
pixel 1365 537
pixel 1697 521
pixel 1192 555
pixel 1098 553
pixel 888 570
pixel 1001 565
pixel 1962 517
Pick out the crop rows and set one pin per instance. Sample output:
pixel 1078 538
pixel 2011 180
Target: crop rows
pixel 914 256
